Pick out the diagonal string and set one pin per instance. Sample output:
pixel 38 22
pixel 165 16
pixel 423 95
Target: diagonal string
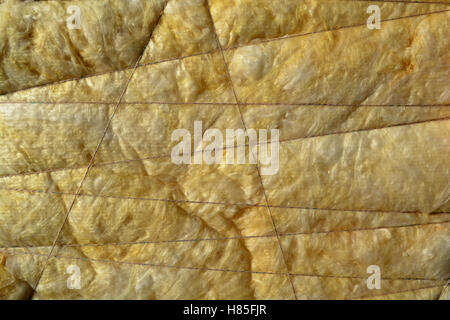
pixel 443 290
pixel 91 163
pixel 97 74
pixel 97 148
pixel 251 150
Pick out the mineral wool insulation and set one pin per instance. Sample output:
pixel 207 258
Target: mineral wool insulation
pixel 91 93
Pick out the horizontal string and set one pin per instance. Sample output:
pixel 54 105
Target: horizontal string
pixel 215 202
pixel 218 50
pixel 56 256
pixel 224 148
pixel 285 234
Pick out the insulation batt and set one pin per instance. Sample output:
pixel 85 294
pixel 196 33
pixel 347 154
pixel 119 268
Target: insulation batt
pixel 86 118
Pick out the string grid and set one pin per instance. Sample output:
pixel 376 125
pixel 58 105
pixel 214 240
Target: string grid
pixel 238 105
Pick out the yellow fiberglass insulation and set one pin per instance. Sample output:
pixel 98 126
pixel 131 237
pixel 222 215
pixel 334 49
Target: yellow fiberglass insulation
pixel 93 92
